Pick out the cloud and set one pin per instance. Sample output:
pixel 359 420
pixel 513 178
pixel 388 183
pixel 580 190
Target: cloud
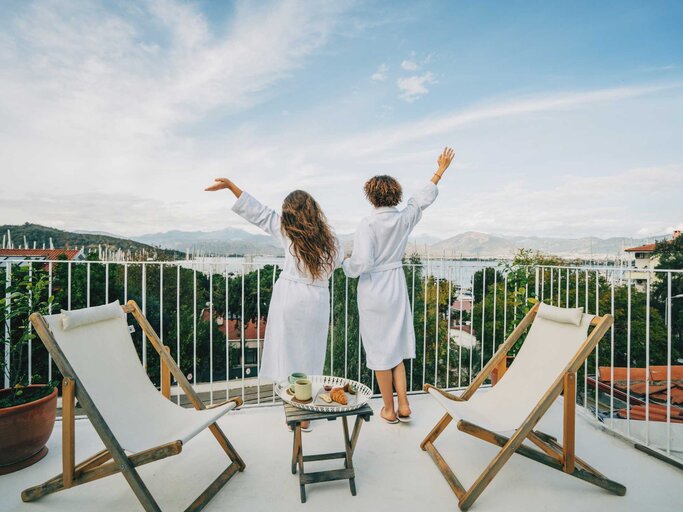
pixel 398 135
pixel 409 65
pixel 115 119
pixel 104 100
pixel 412 87
pixel 381 73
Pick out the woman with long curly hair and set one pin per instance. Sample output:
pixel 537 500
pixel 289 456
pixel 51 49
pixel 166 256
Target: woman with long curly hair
pixel 298 318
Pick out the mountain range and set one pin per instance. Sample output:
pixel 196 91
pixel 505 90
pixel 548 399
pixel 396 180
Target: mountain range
pixel 471 244
pixel 234 241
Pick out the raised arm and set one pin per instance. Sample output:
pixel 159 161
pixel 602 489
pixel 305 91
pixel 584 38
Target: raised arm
pixel 250 209
pixel 427 194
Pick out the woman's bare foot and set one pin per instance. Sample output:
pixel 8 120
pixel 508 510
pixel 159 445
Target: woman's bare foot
pixel 404 411
pixel 388 417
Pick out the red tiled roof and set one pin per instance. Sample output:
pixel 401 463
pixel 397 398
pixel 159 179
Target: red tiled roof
pixel 642 248
pixel 465 305
pixel 49 254
pixel 235 330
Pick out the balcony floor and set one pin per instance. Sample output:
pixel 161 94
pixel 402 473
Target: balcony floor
pixel 391 471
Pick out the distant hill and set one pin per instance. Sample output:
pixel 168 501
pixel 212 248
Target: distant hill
pixel 224 241
pixel 75 240
pixel 474 244
pixel 173 244
pixel 471 244
pixel 238 241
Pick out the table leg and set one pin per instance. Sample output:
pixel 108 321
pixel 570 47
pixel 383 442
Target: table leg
pixel 348 461
pixel 300 456
pixel 356 433
pixel 295 449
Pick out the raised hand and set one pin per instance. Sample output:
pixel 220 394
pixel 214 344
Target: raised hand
pixel 444 161
pixel 221 183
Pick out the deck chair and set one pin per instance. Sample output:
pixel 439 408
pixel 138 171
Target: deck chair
pixel 556 346
pixel 94 351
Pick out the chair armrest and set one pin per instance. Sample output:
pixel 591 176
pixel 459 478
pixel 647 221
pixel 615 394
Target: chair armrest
pixel 238 401
pixel 448 395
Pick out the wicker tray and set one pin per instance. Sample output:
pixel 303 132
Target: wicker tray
pixel 363 394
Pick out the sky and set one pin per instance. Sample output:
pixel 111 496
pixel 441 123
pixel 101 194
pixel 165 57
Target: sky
pixel 566 117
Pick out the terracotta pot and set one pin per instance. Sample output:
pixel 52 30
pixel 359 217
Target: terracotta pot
pixel 24 431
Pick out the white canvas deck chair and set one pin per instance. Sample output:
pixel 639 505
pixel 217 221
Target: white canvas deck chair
pixel 94 351
pixel 556 346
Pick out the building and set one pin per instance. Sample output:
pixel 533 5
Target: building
pixel 645 259
pixel 253 343
pixel 41 254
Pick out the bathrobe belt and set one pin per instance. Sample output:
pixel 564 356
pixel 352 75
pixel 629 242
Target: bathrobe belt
pixel 304 280
pixel 386 266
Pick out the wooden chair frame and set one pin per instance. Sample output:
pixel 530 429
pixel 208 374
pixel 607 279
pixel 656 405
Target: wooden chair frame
pixel 99 465
pixel 551 453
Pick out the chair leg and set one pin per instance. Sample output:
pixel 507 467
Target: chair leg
pixel 227 446
pixel 446 471
pixel 68 432
pixel 436 431
pixel 96 469
pixel 585 472
pixel 569 426
pixel 204 498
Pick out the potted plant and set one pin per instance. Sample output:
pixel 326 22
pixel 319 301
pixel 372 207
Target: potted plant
pixel 27 412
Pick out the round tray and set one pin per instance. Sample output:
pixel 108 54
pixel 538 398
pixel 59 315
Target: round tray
pixel 363 394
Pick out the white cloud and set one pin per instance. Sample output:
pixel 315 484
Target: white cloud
pixel 409 65
pixel 104 101
pixel 371 143
pixel 121 118
pixel 412 87
pixel 381 73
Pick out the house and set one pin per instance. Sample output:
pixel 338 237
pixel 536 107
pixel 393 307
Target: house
pixel 464 305
pixel 645 259
pixel 41 254
pixel 253 342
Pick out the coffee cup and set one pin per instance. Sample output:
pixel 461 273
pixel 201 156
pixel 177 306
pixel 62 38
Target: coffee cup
pixel 303 389
pixel 294 377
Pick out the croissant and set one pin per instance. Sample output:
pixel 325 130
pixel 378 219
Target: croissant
pixel 338 395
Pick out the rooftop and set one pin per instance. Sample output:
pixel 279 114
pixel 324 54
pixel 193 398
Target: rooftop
pixel 391 470
pixel 40 254
pixel 642 248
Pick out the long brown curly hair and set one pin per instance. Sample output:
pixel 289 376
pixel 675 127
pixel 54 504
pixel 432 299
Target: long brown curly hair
pixel 305 224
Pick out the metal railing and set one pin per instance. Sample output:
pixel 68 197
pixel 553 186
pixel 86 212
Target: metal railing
pixel 209 314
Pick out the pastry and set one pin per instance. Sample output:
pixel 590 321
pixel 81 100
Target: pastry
pixel 350 388
pixel 338 395
pixel 326 398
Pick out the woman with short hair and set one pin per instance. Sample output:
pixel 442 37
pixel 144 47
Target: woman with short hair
pixel 386 322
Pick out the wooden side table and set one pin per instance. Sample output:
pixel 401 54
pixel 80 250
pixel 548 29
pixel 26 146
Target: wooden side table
pixel 295 416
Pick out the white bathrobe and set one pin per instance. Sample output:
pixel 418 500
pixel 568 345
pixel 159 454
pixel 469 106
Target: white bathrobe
pixel 299 313
pixel 386 322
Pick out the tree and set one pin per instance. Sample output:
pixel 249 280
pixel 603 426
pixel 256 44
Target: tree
pixel 670 257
